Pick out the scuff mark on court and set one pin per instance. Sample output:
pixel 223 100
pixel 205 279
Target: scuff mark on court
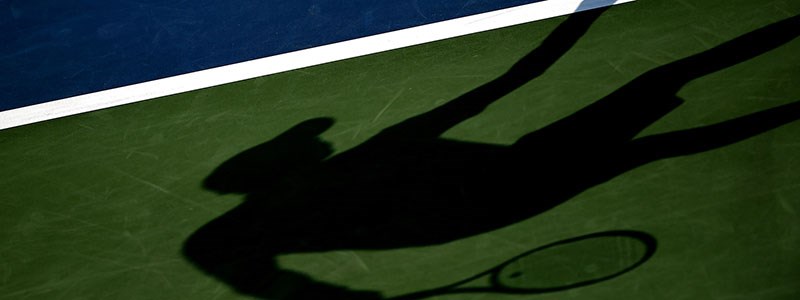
pixel 380 113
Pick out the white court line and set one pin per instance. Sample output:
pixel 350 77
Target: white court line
pixel 296 60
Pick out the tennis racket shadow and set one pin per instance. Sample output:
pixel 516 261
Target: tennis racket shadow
pixel 562 265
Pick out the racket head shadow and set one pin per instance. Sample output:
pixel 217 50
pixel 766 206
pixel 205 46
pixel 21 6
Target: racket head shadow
pixel 574 262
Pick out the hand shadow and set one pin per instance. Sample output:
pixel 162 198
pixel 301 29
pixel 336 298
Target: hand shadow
pixel 407 186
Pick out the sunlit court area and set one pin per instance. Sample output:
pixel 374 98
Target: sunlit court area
pixel 493 149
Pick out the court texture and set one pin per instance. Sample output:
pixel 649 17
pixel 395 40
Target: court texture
pixel 558 149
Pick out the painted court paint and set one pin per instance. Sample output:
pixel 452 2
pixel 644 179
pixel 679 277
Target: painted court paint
pixel 100 205
pixel 294 60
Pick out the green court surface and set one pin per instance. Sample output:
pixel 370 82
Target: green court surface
pixel 100 205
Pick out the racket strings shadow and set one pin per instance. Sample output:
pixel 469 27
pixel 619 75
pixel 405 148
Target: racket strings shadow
pixel 408 187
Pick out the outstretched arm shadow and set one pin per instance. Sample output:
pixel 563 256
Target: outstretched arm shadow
pixel 619 117
pixel 432 124
pixel 701 139
pixel 672 77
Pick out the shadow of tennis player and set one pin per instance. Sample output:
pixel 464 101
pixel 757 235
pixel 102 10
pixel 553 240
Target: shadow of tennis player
pixel 407 186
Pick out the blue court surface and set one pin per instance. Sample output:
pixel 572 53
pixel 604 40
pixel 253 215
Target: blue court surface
pixel 398 150
pixel 83 46
pixel 94 57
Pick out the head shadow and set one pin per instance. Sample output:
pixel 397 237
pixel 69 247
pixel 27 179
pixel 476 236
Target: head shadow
pixel 407 186
pixel 260 167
